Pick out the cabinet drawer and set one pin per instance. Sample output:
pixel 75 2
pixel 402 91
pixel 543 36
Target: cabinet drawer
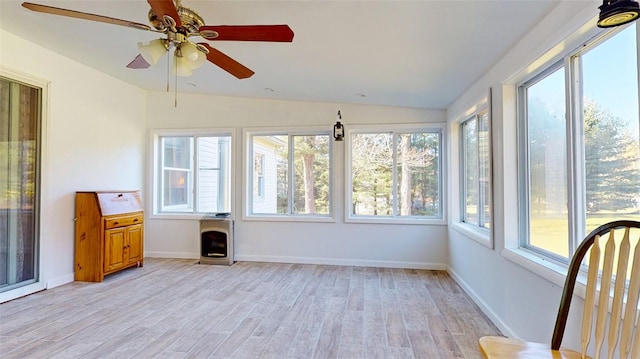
pixel 123 221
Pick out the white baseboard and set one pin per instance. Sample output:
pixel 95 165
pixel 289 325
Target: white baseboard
pixel 180 255
pixel 502 326
pixel 341 261
pixel 309 260
pixel 60 280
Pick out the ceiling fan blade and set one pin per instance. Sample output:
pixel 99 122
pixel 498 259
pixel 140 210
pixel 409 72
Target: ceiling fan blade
pixel 138 63
pixel 226 63
pixel 273 33
pixel 165 7
pixel 83 15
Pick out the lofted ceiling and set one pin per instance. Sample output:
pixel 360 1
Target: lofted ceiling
pixel 421 54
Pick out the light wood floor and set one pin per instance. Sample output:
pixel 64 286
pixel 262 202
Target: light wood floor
pixel 175 308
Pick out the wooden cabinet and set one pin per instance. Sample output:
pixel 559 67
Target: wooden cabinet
pixel 109 233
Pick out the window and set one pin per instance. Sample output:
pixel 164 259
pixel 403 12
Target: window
pixel 194 173
pixel 579 148
pixel 290 173
pixel 476 171
pixel 395 173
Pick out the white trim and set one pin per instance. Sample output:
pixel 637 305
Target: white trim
pixel 342 262
pixel 484 307
pixel 43 198
pixel 313 218
pixel 153 169
pixel 22 291
pixel 247 174
pixel 542 266
pixel 349 217
pixel 178 255
pixel 546 268
pixel 396 220
pixel 60 280
pixel 478 234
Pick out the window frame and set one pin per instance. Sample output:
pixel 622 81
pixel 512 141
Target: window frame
pixel 248 175
pixel 431 127
pixel 42 194
pixel 156 169
pixel 551 265
pixel 478 227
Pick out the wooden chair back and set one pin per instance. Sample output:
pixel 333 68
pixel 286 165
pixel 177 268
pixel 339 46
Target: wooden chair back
pixel 613 285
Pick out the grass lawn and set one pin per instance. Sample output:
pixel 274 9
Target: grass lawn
pixel 551 233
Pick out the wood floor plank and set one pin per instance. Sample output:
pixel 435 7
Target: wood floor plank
pixel 177 308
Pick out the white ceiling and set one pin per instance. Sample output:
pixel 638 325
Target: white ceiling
pixel 420 54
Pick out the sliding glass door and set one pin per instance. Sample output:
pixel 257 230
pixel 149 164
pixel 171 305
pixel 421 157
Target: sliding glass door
pixel 20 123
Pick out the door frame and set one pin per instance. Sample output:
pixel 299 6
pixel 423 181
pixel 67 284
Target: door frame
pixel 41 188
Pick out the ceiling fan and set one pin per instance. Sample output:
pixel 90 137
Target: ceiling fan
pixel 180 24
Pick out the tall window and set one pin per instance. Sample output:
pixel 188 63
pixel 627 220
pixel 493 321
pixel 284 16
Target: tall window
pixel 194 173
pixel 581 167
pixel 396 173
pixel 476 171
pixel 290 173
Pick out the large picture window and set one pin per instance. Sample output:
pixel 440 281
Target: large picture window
pixel 579 149
pixel 290 173
pixel 193 173
pixel 395 173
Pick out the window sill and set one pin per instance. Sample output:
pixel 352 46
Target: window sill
pixel 545 268
pixel 395 220
pixel 181 216
pixel 288 218
pixel 482 236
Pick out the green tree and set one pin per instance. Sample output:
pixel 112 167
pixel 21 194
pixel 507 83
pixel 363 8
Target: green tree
pixel 612 160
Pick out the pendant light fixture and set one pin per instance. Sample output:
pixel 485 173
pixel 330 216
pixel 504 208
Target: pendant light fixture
pixel 617 12
pixel 338 129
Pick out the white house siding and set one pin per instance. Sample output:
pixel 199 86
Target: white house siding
pixel 269 202
pixel 211 162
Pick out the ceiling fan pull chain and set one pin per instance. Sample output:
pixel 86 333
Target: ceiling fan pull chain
pixel 175 86
pixel 168 66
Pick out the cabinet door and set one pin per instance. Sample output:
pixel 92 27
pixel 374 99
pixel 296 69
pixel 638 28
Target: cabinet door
pixel 134 245
pixel 114 249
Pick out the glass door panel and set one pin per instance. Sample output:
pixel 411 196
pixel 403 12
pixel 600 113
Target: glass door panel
pixel 19 183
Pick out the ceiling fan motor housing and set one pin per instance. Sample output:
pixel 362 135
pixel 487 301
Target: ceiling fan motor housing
pixel 191 21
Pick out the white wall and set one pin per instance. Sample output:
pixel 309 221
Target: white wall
pixel 523 304
pixel 416 246
pixel 94 139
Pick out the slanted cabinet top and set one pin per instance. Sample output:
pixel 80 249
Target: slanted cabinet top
pixel 118 202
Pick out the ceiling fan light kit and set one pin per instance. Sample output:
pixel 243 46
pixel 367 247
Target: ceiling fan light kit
pixel 153 50
pixel 179 24
pixel 617 12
